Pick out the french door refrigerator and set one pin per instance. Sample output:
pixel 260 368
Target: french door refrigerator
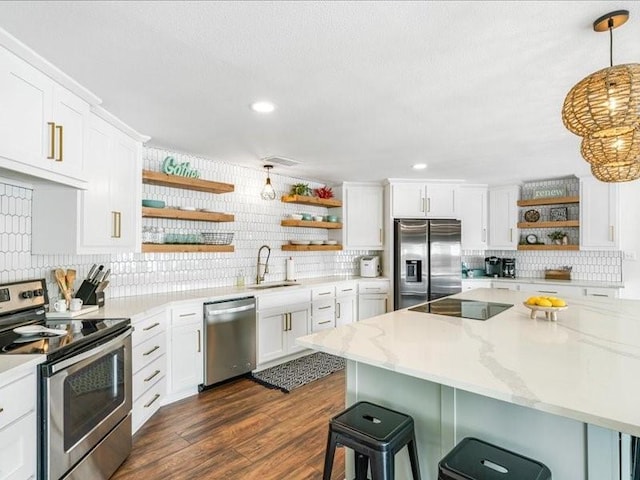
pixel 426 260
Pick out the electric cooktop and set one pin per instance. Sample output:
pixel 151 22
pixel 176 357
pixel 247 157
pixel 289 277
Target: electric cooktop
pixel 458 307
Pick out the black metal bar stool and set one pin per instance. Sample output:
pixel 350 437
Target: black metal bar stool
pixel 473 459
pixel 375 434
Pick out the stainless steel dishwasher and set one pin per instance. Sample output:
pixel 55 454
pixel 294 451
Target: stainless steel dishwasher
pixel 229 339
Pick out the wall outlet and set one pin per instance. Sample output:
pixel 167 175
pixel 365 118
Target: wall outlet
pixel 629 255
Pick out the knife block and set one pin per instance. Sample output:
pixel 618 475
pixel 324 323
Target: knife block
pixel 96 298
pixel 86 291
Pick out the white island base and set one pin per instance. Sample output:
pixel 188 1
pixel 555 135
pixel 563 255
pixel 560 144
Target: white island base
pixel 444 415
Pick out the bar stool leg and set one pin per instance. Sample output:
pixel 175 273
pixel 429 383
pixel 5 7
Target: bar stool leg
pixel 328 455
pixel 362 465
pixel 382 466
pixel 413 458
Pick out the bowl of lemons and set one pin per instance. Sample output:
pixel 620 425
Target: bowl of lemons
pixel 549 305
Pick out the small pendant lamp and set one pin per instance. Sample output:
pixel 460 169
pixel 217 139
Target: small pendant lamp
pixel 268 192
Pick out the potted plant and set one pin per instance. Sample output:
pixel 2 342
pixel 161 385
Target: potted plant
pixel 301 189
pixel 559 238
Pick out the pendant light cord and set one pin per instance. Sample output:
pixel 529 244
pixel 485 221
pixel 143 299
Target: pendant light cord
pixel 610 23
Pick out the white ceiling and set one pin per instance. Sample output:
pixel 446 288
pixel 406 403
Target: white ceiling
pixel 363 89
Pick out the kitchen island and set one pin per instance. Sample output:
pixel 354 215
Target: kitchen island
pixel 556 391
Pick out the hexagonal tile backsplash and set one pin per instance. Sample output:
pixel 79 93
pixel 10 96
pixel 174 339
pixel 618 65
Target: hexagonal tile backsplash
pixel 257 222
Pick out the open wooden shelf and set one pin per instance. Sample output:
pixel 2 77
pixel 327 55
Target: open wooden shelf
pixel 310 224
pixel 568 223
pixel 159 178
pixel 547 201
pixel 548 247
pixel 184 248
pixel 178 214
pixel 314 201
pixel 310 248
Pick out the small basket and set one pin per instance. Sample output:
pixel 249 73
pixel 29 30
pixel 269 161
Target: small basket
pixel 550 274
pixel 217 238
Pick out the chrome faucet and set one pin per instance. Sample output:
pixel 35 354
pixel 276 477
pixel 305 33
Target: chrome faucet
pixel 260 278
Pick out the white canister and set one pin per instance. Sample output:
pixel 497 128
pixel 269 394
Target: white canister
pixel 291 270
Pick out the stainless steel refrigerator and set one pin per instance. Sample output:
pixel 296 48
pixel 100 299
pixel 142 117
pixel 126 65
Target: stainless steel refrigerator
pixel 426 260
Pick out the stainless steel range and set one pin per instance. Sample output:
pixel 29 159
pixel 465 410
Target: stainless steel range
pixel 84 410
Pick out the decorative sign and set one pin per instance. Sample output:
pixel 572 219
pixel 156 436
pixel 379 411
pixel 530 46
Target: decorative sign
pixel 550 192
pixel 558 214
pixel 170 167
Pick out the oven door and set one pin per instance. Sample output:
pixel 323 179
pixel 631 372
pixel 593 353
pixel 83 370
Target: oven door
pixel 84 398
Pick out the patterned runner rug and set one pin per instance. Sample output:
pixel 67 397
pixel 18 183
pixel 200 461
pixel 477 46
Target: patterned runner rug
pixel 300 371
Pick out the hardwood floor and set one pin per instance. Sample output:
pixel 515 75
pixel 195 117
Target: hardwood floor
pixel 240 430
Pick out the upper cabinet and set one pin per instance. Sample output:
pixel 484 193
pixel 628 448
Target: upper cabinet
pixel 430 200
pixel 599 215
pixel 42 124
pixel 362 217
pixel 503 217
pixel 106 217
pixel 474 217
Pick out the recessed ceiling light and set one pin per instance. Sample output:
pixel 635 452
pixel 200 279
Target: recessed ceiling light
pixel 420 166
pixel 263 107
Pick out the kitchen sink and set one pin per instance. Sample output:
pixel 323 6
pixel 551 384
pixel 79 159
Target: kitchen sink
pixel 263 286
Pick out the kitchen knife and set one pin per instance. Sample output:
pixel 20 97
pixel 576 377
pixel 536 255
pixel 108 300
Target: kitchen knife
pixel 91 272
pixel 99 278
pixel 95 275
pixel 106 275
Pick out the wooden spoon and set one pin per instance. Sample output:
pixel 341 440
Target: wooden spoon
pixel 70 278
pixel 60 278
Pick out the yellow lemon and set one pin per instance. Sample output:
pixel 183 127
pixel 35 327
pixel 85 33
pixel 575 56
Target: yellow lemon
pixel 558 302
pixel 543 302
pixel 532 301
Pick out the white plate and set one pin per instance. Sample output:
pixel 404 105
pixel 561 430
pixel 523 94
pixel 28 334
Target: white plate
pixel 37 329
pixel 300 242
pixel 188 209
pixel 330 242
pixel 317 242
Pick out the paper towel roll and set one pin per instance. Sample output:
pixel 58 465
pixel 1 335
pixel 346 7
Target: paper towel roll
pixel 291 270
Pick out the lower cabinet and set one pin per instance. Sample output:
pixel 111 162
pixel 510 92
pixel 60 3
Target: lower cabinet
pixel 18 427
pixel 346 310
pixel 373 298
pixel 149 366
pixel 278 329
pixel 186 352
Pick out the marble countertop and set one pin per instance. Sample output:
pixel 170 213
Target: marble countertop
pixel 584 366
pixel 542 281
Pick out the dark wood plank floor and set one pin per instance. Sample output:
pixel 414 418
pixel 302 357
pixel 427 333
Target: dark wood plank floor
pixel 240 430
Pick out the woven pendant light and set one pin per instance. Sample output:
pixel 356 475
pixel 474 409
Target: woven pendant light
pixel 612 151
pixel 604 108
pixel 624 173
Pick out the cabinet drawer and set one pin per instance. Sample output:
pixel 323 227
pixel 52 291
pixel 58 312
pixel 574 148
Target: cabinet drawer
pixel 148 327
pixel 18 449
pixel 349 288
pixel 148 404
pixel 373 287
pixel 192 313
pixel 326 291
pixel 148 351
pixel 546 290
pixel 602 292
pixel 149 375
pixel 17 399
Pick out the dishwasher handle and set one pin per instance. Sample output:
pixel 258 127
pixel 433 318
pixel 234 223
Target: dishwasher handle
pixel 215 313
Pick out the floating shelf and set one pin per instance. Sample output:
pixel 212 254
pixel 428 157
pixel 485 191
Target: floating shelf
pixel 310 248
pixel 310 224
pixel 188 248
pixel 314 201
pixel 175 181
pixel 178 214
pixel 548 201
pixel 568 223
pixel 548 247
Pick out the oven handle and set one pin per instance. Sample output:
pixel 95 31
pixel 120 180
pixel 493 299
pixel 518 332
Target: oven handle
pixel 110 345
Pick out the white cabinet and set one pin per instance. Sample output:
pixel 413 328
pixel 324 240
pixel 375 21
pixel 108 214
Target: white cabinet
pixel 323 307
pixel 599 215
pixel 506 286
pixel 552 289
pixel 432 200
pixel 362 217
pixel 346 303
pixel 103 219
pixel 42 124
pixel 186 357
pixel 149 366
pixel 18 427
pixel 281 319
pixel 373 298
pixel 503 217
pixel 474 218
pixel 476 283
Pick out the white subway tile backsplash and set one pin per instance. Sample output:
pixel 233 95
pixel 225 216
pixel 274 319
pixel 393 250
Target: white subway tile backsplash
pixel 257 222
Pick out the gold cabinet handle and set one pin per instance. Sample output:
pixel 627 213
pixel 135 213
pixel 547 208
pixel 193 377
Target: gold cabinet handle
pixel 338 313
pixel 423 203
pixel 52 140
pixel 155 397
pixel 511 234
pixel 286 322
pixel 116 218
pixel 428 205
pixel 151 351
pixel 385 305
pixel 611 232
pixel 152 376
pixel 151 326
pixel 60 157
pixel 199 348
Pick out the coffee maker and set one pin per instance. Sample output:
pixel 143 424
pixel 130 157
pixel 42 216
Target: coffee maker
pixel 509 267
pixel 493 266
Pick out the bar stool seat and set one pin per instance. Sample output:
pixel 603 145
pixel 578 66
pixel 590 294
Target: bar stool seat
pixel 375 434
